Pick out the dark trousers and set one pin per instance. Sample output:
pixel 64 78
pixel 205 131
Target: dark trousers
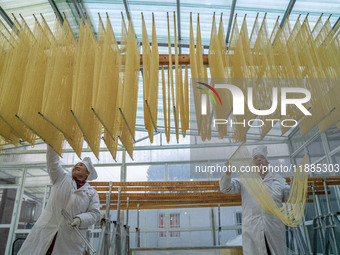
pixel 267 246
pixel 50 249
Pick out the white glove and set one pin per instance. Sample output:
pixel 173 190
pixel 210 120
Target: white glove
pixel 75 222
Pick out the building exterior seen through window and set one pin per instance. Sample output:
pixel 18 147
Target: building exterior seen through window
pixel 161 221
pixel 172 220
pixel 174 223
pixel 238 216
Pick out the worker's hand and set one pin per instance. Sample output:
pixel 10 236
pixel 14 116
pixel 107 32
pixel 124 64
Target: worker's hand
pixel 228 166
pixel 75 222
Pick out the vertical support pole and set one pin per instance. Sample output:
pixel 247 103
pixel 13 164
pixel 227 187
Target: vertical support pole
pixel 115 237
pixel 16 213
pixel 332 221
pixel 123 167
pixel 219 224
pixel 212 218
pixel 137 228
pixel 292 235
pixel 306 235
pixel 287 236
pixel 107 220
pixel 118 231
pixel 103 245
pixel 317 228
pixel 299 240
pixel 330 161
pixel 91 235
pixel 127 236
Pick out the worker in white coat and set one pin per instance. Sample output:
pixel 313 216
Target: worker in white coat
pixel 52 234
pixel 262 232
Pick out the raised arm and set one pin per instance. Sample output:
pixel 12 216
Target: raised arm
pixel 229 185
pixel 54 169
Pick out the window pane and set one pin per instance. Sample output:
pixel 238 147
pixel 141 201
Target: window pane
pixel 179 172
pixel 299 157
pixel 230 238
pixel 105 174
pixel 161 224
pixel 297 140
pixel 145 173
pixel 333 137
pixel 316 150
pixel 7 201
pixel 10 176
pixel 151 240
pixel 31 206
pixel 18 242
pixel 156 173
pixel 336 161
pixel 3 237
pixel 144 156
pixel 201 238
pixel 174 223
pixel 37 177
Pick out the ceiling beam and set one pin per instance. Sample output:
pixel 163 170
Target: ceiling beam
pixel 79 10
pixel 128 14
pixel 287 12
pixel 179 20
pixel 231 18
pixel 162 43
pixel 151 147
pixel 127 9
pixel 335 26
pixel 6 17
pixel 56 11
pixel 179 24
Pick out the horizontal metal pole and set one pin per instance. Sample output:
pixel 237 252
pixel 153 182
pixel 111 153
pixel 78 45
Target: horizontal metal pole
pixel 27 165
pixel 5 225
pixel 183 59
pixel 163 43
pixel 9 186
pixel 150 230
pixel 250 137
pixel 139 148
pixel 185 248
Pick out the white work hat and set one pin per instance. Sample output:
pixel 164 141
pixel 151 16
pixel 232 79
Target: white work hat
pixel 260 150
pixel 89 166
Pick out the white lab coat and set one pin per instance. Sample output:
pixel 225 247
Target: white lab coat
pixel 255 221
pixel 82 203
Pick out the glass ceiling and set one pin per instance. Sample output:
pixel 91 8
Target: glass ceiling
pixel 206 9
